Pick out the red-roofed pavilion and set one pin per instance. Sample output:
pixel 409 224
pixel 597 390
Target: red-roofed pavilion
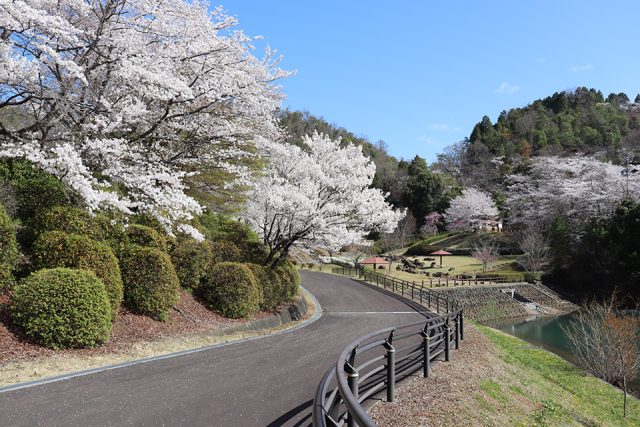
pixel 440 253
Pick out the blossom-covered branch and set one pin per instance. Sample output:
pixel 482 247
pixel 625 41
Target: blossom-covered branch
pixel 319 196
pixel 132 93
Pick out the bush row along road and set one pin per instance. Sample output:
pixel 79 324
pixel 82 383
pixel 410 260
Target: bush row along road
pixel 265 382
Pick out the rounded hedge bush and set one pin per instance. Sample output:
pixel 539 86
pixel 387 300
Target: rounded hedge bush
pixel 68 219
pixel 7 280
pixel 290 278
pixel 57 249
pixel 35 189
pixel 223 251
pixel 151 286
pixel 79 221
pixel 141 235
pixel 62 308
pixel 191 260
pixel 231 290
pixel 8 250
pixel 273 292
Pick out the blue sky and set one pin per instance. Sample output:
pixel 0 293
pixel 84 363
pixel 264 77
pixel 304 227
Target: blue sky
pixel 420 74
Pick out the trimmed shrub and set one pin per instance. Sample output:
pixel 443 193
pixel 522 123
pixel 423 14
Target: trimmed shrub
pixel 231 290
pixel 151 286
pixel 219 227
pixel 223 251
pixel 79 221
pixel 273 293
pixel 191 260
pixel 290 278
pixel 62 308
pixel 8 251
pixel 68 219
pixel 7 281
pixel 141 235
pixel 148 221
pixel 35 189
pixel 57 249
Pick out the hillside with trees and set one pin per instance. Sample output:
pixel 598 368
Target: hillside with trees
pixel 579 122
pixel 566 168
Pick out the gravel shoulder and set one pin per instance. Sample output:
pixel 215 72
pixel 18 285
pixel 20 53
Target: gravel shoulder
pixel 438 400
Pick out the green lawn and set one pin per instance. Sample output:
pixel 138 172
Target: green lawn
pixel 462 264
pixel 561 393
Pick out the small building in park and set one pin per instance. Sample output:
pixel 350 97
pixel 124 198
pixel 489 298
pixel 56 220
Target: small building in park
pixel 440 253
pixel 376 261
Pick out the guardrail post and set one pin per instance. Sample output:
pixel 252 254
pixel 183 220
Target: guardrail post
pixel 426 351
pixel 447 341
pixel 457 332
pixel 391 368
pixel 461 325
pixel 352 381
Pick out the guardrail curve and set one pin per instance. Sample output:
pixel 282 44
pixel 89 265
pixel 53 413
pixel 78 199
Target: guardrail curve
pixel 392 354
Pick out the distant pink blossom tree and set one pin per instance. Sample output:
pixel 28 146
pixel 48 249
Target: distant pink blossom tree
pixel 431 222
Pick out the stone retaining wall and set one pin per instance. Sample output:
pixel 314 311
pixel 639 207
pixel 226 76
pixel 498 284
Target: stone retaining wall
pixel 489 303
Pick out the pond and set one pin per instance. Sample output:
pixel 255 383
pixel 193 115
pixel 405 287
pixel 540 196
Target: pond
pixel 546 332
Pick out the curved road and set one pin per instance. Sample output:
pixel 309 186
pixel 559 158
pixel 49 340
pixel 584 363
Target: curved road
pixel 265 382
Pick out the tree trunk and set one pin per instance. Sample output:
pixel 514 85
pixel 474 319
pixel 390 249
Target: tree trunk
pixel 624 388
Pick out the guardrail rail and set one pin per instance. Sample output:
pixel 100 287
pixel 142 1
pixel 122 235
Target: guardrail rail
pixel 376 362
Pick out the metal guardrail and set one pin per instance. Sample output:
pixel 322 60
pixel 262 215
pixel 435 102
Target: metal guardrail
pixel 392 354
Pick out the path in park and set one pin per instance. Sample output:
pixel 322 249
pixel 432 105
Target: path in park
pixel 265 382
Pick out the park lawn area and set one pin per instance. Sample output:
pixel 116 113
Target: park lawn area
pixel 562 393
pixel 505 265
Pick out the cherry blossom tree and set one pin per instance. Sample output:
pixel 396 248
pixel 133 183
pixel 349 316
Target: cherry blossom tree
pixel 469 209
pixel 431 222
pixel 317 196
pixel 136 95
pixel 579 188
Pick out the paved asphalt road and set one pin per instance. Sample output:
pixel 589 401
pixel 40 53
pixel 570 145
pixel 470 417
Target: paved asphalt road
pixel 266 382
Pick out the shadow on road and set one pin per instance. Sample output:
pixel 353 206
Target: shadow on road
pixel 289 416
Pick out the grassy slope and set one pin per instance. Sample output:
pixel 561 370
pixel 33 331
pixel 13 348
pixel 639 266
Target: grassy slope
pixel 559 392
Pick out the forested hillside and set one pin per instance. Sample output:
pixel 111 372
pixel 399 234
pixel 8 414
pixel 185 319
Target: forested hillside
pixel 563 123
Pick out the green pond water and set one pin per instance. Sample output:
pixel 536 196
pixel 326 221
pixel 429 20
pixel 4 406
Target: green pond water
pixel 546 332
